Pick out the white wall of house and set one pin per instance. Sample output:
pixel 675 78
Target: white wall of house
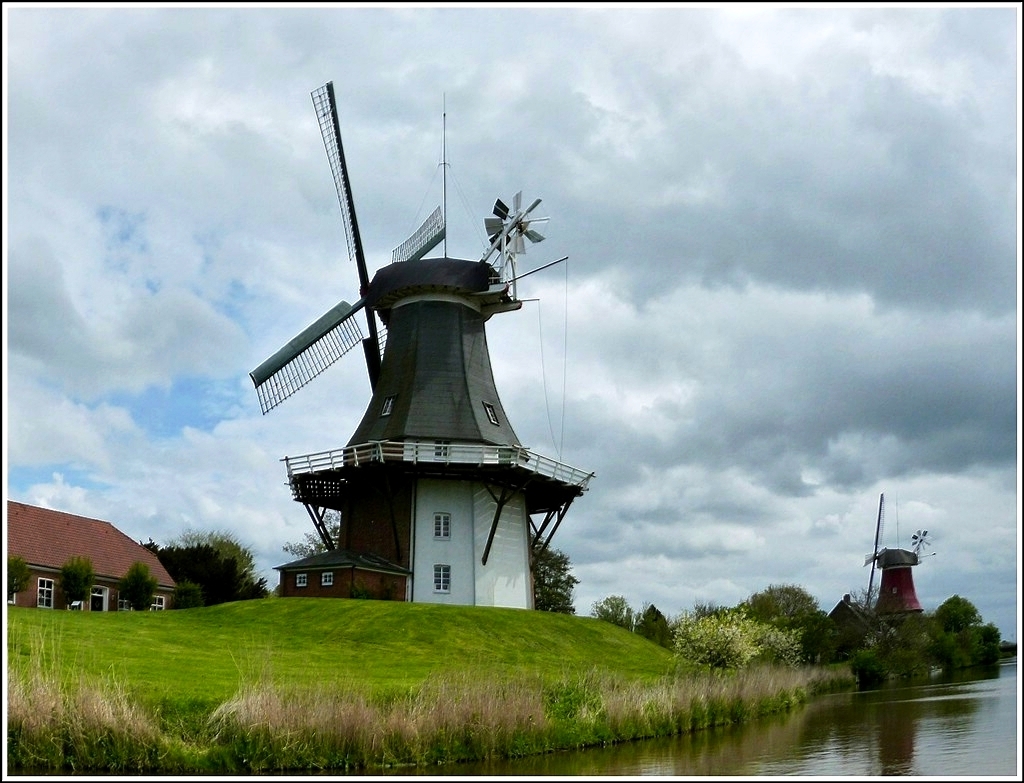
pixel 504 581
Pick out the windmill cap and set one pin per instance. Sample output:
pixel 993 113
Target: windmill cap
pixel 889 558
pixel 451 276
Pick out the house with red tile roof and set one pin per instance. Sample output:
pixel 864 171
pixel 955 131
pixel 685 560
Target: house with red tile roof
pixel 47 539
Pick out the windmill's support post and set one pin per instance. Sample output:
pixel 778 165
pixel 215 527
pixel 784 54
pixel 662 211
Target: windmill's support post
pixel 560 512
pixel 500 502
pixel 316 514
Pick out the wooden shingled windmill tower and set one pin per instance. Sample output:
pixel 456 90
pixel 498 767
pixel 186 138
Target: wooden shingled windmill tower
pixel 438 499
pixel 896 591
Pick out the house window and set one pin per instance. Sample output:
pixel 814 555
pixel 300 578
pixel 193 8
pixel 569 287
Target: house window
pixel 442 525
pixel 98 599
pixel 158 604
pixel 45 596
pixel 441 449
pixel 492 415
pixel 442 578
pixel 327 579
pixel 300 580
pixel 123 605
pixel 388 406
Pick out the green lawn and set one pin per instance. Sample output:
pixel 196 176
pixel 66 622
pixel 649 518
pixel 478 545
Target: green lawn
pixel 207 653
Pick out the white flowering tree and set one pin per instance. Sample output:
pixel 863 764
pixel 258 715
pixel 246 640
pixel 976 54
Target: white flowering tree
pixel 730 639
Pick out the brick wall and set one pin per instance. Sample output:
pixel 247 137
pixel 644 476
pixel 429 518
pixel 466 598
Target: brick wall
pixel 29 597
pixel 377 584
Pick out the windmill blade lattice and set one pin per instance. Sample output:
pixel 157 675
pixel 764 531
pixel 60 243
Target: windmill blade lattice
pixel 327 116
pixel 306 355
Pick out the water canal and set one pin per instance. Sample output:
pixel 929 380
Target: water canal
pixel 964 724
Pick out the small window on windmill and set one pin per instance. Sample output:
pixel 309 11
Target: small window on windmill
pixel 441 449
pixel 492 415
pixel 388 406
pixel 442 525
pixel 327 579
pixel 300 580
pixel 442 578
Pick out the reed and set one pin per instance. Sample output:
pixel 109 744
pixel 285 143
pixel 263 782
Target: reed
pixel 460 718
pixel 58 722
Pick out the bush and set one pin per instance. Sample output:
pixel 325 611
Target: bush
pixel 867 668
pixel 615 610
pixel 727 640
pixel 779 646
pixel 187 595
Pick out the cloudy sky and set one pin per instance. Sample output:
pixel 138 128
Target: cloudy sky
pixel 793 276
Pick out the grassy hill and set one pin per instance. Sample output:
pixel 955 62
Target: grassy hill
pixel 326 684
pixel 207 653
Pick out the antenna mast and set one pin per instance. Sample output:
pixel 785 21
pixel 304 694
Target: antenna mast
pixel 444 170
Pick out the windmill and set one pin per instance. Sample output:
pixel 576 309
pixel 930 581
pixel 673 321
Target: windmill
pixel 439 501
pixel 896 591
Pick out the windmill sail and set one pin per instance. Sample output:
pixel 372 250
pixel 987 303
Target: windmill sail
pixel 306 355
pixel 422 241
pixel 327 116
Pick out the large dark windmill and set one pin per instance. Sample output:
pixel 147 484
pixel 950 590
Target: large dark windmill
pixel 439 501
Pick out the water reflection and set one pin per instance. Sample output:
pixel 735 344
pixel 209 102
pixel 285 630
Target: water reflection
pixel 964 724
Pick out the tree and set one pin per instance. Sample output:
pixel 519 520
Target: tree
pixel 216 561
pixel 18 575
pixel 227 545
pixel 137 587
pixel 615 610
pixel 76 578
pixel 791 608
pixel 781 602
pixel 957 614
pixel 311 543
pixel 553 581
pixel 203 565
pixel 959 639
pixel 653 625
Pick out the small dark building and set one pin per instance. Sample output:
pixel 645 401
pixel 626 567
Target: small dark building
pixel 852 624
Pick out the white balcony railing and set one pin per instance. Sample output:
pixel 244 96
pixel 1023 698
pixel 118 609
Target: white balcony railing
pixel 438 452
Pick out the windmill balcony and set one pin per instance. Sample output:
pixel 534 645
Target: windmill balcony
pixel 433 453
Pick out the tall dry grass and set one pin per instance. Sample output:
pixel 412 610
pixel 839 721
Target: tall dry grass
pixel 57 721
pixel 450 719
pixel 447 719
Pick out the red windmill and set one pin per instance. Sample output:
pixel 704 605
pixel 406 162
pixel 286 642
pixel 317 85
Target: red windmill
pixel 896 592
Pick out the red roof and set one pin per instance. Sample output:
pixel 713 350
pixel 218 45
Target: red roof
pixel 48 538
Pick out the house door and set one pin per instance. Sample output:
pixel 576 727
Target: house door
pixel 98 602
